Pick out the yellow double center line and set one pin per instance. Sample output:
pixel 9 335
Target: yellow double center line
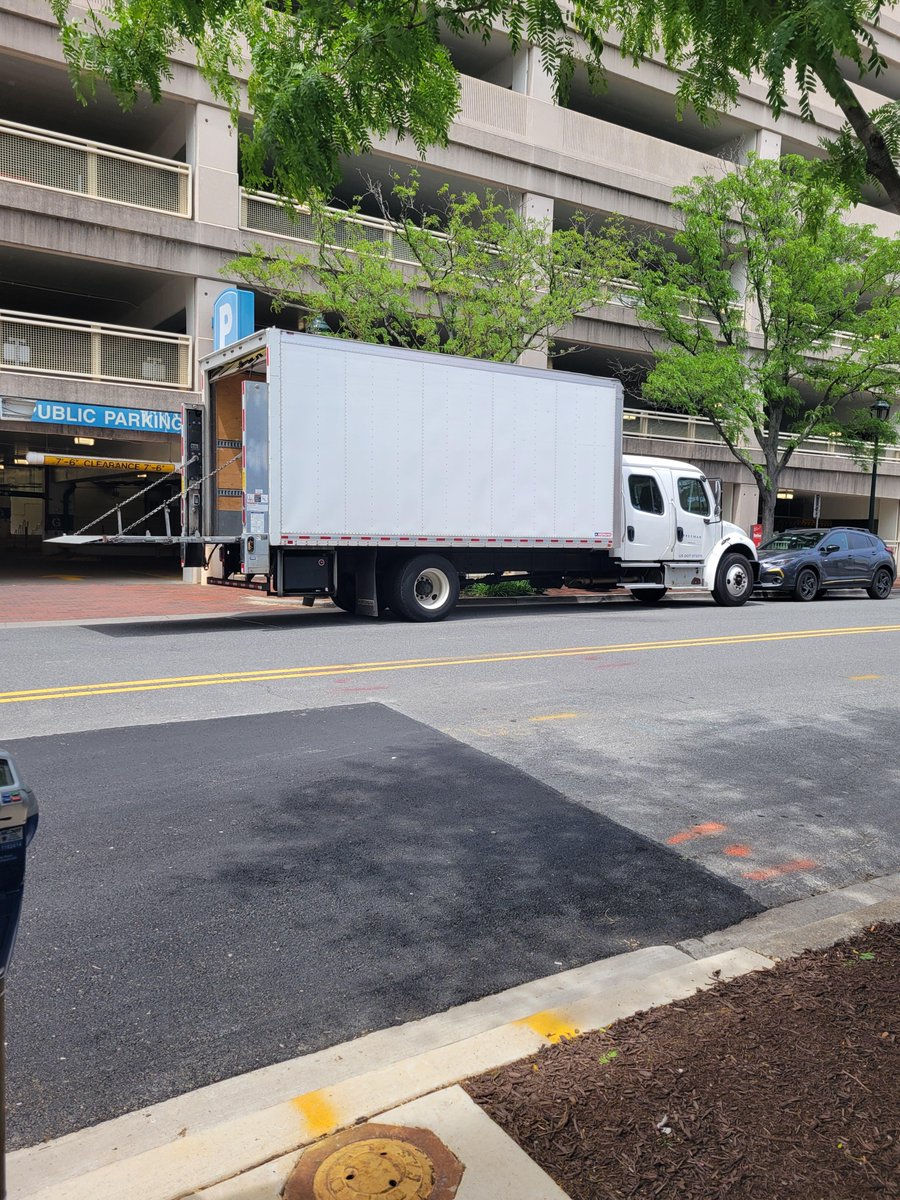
pixel 72 691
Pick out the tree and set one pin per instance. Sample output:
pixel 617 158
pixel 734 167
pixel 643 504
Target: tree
pixel 780 320
pixel 468 275
pixel 325 76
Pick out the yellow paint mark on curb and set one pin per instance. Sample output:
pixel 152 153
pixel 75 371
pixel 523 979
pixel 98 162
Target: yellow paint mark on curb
pixel 318 1113
pixel 279 674
pixel 556 717
pixel 855 677
pixel 550 1025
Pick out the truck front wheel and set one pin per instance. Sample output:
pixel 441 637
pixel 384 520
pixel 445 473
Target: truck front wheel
pixel 424 588
pixel 734 581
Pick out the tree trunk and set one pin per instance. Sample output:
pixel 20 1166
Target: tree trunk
pixel 879 163
pixel 767 498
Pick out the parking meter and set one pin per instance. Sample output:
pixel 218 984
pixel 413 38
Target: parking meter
pixel 18 822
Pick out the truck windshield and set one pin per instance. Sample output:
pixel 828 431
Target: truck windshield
pixel 798 539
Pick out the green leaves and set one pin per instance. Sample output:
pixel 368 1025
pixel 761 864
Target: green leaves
pixel 325 77
pixel 780 319
pixel 469 275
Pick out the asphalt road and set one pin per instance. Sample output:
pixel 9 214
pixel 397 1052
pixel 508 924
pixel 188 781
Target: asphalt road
pixel 232 871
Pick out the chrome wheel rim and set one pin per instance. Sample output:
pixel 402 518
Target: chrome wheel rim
pixel 432 588
pixel 736 580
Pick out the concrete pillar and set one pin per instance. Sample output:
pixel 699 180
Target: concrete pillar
pixel 887 513
pixel 537 208
pixel 540 210
pixel 745 505
pixel 201 296
pixel 212 148
pixel 199 301
pixel 764 143
pixel 528 75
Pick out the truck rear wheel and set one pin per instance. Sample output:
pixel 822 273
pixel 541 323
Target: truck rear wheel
pixel 734 581
pixel 424 588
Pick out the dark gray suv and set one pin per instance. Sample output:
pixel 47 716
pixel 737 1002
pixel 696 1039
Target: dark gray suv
pixel 807 563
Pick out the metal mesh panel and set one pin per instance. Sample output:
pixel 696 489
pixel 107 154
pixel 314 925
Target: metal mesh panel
pixel 88 171
pixel 51 348
pixel 95 352
pixel 50 164
pixel 493 107
pixel 145 184
pixel 669 427
pixel 151 360
pixel 269 216
pixel 263 214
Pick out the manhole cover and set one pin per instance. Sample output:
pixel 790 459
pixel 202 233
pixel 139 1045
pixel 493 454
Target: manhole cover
pixel 376 1162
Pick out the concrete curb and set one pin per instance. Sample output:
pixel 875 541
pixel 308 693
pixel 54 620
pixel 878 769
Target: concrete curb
pixel 238 1140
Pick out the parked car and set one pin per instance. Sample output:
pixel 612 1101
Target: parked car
pixel 807 563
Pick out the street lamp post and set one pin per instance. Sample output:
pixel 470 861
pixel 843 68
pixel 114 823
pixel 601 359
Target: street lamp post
pixel 879 409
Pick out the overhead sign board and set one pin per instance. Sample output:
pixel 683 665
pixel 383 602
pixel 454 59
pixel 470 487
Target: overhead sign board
pixel 232 317
pixel 92 416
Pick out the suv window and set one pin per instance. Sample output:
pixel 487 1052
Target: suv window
pixel 838 538
pixel 859 541
pixel 692 497
pixel 645 494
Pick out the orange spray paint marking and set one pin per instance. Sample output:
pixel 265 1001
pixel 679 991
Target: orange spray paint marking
pixel 737 851
pixel 788 868
pixel 707 829
pixel 318 1113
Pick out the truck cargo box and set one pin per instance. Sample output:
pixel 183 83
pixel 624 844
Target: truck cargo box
pixel 374 445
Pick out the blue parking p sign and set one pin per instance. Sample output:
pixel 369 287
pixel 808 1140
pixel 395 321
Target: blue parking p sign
pixel 232 317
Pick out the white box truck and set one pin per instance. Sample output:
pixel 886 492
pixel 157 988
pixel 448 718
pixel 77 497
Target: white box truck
pixel 385 478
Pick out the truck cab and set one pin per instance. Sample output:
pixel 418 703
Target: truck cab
pixel 672 527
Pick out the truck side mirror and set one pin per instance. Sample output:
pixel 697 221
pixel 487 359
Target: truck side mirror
pixel 716 485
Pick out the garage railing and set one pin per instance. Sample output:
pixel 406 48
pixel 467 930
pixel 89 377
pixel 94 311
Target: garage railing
pixel 67 164
pixel 43 345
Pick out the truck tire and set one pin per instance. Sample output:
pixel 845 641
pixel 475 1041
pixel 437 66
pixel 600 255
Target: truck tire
pixel 734 581
pixel 649 595
pixel 424 588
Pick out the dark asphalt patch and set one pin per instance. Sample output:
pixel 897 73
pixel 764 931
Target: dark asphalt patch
pixel 210 897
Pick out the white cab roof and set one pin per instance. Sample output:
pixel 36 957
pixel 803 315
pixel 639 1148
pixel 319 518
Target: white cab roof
pixel 673 464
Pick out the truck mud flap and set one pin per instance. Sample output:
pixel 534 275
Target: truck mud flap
pixel 366 584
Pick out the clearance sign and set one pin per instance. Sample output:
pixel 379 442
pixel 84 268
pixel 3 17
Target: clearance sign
pixel 38 459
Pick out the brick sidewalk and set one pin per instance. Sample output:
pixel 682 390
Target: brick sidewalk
pixel 69 598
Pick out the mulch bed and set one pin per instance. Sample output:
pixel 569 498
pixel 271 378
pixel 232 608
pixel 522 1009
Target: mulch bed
pixel 782 1085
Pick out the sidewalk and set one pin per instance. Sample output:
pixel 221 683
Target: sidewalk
pixel 92 592
pixel 76 593
pixel 387 1113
